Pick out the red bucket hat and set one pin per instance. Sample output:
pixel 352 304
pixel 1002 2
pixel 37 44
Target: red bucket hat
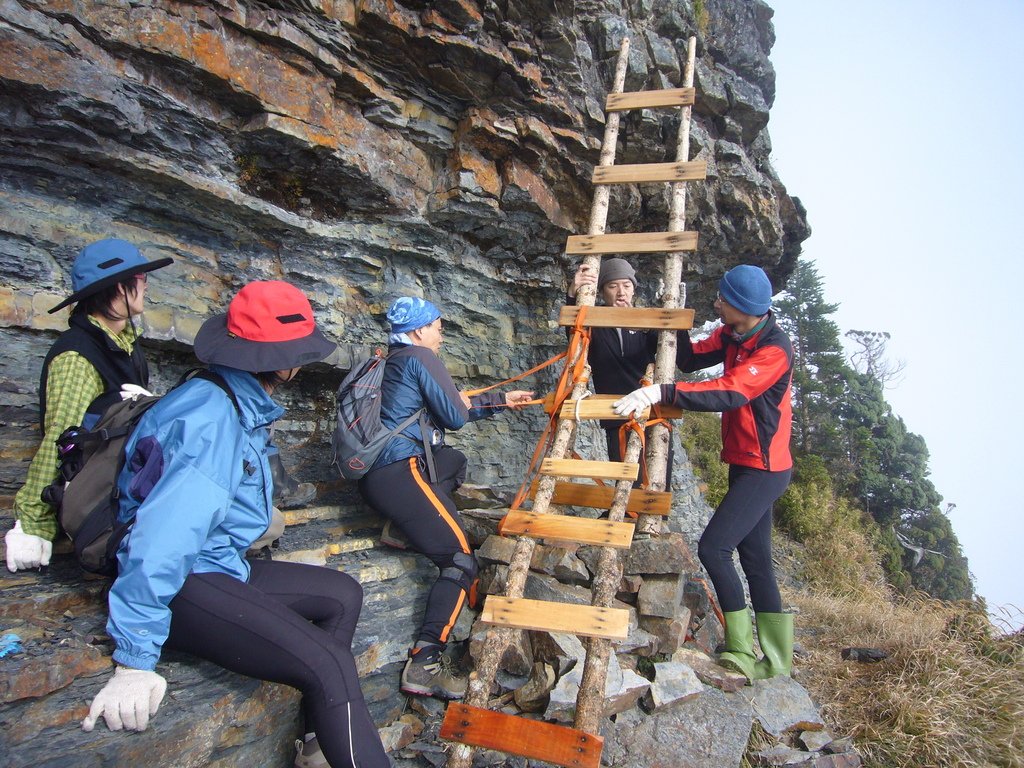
pixel 269 326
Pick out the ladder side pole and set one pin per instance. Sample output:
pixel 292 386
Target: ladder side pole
pixel 482 678
pixel 674 296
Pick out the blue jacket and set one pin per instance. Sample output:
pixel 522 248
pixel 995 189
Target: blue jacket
pixel 198 482
pixel 414 378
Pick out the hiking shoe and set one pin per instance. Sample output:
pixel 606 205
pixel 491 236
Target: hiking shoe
pixel 434 676
pixel 309 755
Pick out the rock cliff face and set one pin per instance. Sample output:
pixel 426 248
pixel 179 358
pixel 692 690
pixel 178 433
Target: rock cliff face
pixel 362 149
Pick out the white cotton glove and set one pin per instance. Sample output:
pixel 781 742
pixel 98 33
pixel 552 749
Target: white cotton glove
pixel 128 700
pixel 638 400
pixel 25 550
pixel 131 391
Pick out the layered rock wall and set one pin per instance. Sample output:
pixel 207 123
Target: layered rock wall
pixel 362 150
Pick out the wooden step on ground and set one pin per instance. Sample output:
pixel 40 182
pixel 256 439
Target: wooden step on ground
pixel 532 739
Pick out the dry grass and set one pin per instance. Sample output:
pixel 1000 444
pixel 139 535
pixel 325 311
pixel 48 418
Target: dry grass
pixel 950 694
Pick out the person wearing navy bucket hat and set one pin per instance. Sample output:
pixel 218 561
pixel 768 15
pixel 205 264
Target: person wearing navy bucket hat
pixel 93 364
pixel 198 485
pixel 753 394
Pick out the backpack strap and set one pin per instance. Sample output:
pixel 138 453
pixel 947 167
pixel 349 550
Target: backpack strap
pixel 215 378
pixel 427 450
pixel 428 454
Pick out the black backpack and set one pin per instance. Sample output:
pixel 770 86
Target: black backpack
pixel 359 436
pixel 86 493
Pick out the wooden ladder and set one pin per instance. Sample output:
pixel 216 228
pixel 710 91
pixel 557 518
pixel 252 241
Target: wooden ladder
pixel 470 724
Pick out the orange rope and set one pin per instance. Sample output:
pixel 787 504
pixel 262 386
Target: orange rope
pixel 576 360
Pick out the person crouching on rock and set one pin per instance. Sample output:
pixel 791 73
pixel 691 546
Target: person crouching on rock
pixel 198 484
pixel 89 367
pixel 400 487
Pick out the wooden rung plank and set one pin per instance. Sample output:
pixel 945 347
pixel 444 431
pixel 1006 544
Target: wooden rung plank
pixel 665 411
pixel 695 170
pixel 666 97
pixel 632 242
pixel 641 318
pixel 534 739
pixel 545 616
pixel 600 497
pixel 575 530
pixel 589 408
pixel 605 470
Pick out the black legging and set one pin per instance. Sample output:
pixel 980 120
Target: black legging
pixel 743 522
pixel 293 624
pixel 611 437
pixel 426 514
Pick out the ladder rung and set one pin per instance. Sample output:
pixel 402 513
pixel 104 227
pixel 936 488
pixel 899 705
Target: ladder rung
pixel 545 616
pixel 589 408
pixel 605 470
pixel 666 97
pixel 513 735
pixel 600 407
pixel 600 497
pixel 633 242
pixel 642 318
pixel 666 411
pixel 577 530
pixel 695 170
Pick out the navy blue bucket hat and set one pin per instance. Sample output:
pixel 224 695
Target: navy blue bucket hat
pixel 105 263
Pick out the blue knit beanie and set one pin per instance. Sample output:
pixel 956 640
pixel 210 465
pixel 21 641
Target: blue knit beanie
pixel 409 313
pixel 747 288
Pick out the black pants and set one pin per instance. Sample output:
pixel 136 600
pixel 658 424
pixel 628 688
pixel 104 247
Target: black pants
pixel 743 522
pixel 293 624
pixel 426 514
pixel 611 436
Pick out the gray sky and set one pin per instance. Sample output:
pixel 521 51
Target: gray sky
pixel 899 126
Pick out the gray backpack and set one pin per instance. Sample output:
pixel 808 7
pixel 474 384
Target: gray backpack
pixel 359 436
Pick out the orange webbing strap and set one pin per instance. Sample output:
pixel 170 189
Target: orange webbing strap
pixel 575 365
pixel 523 375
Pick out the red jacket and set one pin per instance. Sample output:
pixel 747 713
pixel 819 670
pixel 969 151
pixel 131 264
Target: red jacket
pixel 753 393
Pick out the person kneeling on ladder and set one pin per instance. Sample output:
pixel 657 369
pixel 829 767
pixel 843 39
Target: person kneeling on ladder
pixel 753 394
pixel 412 481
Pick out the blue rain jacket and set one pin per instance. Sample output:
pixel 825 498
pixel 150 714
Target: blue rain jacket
pixel 414 378
pixel 197 480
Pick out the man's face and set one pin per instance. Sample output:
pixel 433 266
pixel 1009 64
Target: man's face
pixel 727 313
pixel 618 293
